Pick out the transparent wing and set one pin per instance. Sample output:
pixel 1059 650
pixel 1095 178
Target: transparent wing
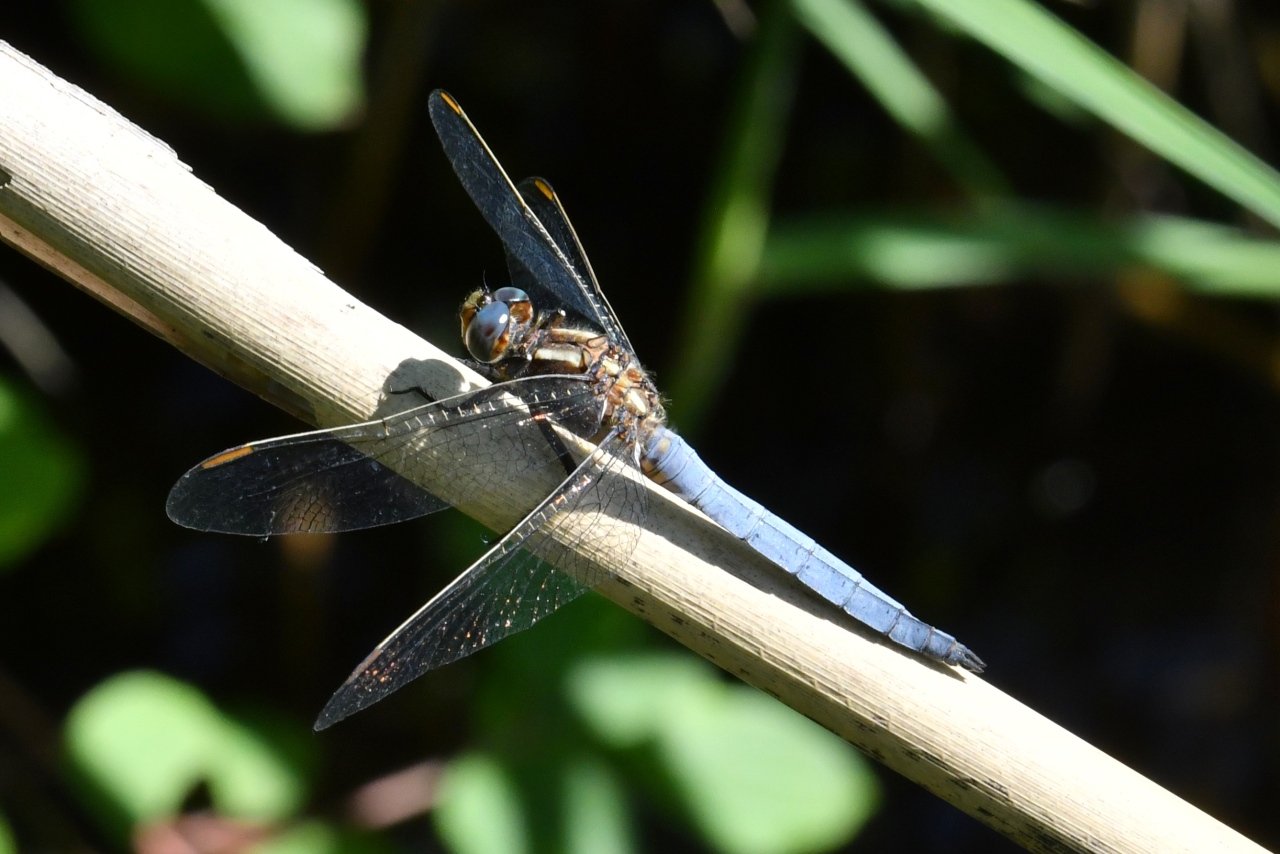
pixel 542 564
pixel 353 477
pixel 552 273
pixel 545 204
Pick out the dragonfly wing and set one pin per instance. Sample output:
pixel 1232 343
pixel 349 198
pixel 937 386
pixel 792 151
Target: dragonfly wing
pixel 546 205
pixel 364 475
pixel 507 213
pixel 308 483
pixel 542 564
pixel 520 275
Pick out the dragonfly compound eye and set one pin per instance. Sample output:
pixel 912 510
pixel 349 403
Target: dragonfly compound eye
pixel 510 295
pixel 489 334
pixel 517 302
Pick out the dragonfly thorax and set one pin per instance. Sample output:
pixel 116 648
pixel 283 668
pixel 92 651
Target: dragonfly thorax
pixel 501 330
pixel 631 398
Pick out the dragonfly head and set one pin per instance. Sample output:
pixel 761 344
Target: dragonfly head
pixel 493 321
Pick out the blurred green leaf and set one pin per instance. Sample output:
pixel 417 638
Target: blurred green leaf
pixel 296 60
pixel 308 837
pixel 304 55
pixel 8 845
pixel 1006 242
pixel 42 473
pixel 872 55
pixel 596 816
pixel 144 741
pixel 251 779
pixel 317 837
pixel 478 811
pixel 174 48
pixel 1051 51
pixel 756 777
pixel 624 699
pixel 762 779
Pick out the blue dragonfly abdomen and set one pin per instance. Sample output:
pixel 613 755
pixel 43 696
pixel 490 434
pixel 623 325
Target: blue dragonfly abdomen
pixel 669 461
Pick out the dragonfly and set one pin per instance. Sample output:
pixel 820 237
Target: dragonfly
pixel 559 360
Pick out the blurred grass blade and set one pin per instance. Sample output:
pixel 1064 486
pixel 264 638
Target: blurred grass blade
pixel 1003 243
pixel 872 55
pixel 1054 53
pixel 737 218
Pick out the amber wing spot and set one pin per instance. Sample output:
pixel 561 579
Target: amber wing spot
pixel 228 456
pixel 544 188
pixel 453 105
